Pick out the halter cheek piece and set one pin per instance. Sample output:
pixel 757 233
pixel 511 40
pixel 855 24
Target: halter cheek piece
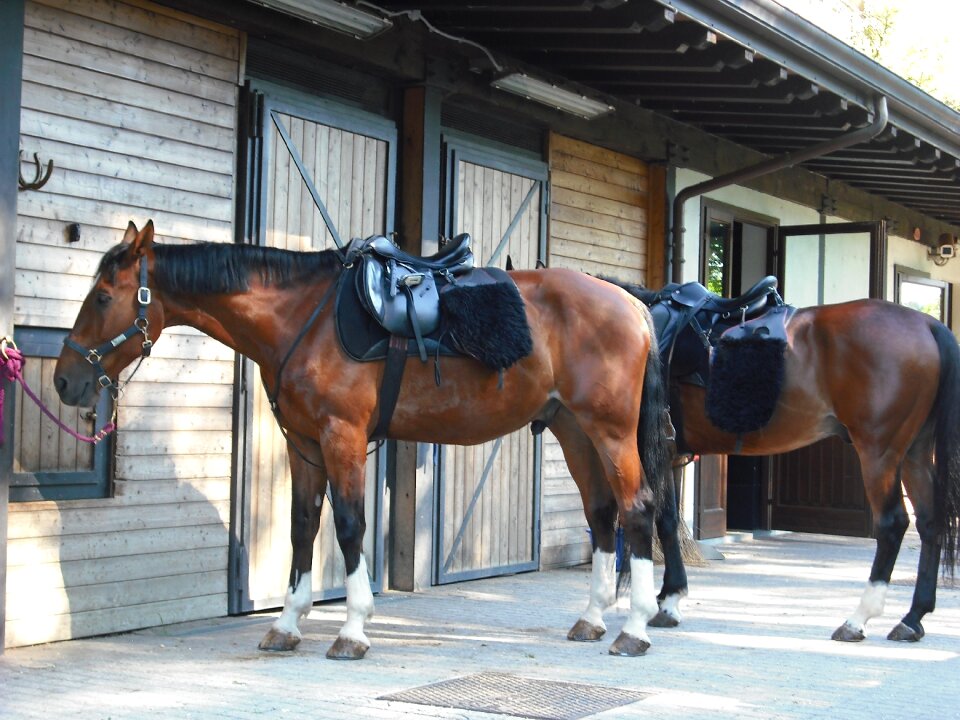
pixel 140 325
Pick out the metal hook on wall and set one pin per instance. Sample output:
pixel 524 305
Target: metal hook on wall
pixel 41 177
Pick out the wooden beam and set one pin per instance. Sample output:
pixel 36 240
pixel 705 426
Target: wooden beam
pixel 411 477
pixel 11 60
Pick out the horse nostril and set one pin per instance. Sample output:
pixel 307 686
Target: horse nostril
pixel 61 384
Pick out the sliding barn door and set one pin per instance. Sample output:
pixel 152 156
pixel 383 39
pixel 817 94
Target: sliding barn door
pixel 489 494
pixel 324 177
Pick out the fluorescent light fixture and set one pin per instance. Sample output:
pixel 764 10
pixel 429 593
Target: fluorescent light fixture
pixel 334 15
pixel 549 94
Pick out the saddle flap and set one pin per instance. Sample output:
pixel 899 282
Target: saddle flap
pixel 397 296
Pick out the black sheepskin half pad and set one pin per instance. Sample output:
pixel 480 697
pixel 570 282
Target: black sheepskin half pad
pixel 746 377
pixel 487 322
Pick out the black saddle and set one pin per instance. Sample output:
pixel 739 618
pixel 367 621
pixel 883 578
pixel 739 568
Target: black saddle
pixel 690 322
pixel 400 290
pixel 676 307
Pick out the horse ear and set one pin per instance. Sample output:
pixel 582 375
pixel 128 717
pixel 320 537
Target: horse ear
pixel 131 233
pixel 143 240
pixel 509 265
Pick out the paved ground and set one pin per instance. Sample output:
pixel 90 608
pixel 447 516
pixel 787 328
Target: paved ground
pixel 754 644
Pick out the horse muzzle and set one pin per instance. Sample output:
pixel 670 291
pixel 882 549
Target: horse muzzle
pixel 77 386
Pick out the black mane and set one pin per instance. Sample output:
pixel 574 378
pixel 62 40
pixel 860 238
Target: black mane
pixel 647 297
pixel 213 268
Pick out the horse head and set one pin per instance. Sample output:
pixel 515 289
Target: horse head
pixel 114 324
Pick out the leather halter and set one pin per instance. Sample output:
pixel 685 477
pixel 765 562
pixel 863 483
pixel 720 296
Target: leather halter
pixel 94 356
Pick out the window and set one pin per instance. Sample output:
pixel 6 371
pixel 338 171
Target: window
pixel 915 289
pixel 49 464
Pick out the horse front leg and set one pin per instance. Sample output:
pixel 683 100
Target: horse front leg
pixel 346 458
pixel 674 586
pixel 309 483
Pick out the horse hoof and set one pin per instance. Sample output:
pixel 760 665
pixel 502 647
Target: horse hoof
pixel 584 631
pixel 848 633
pixel 279 641
pixel 905 633
pixel 629 646
pixel 663 620
pixel 347 649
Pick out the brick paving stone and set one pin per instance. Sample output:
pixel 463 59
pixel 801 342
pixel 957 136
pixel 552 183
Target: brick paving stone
pixel 755 643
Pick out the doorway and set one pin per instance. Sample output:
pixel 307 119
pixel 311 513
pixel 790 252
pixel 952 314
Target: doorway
pixel 819 488
pixel 737 250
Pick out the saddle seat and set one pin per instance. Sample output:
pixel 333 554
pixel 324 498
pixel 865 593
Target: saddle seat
pixel 455 256
pixel 751 303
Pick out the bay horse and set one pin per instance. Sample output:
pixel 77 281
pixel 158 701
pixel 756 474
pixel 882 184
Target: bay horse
pixel 593 377
pixel 883 377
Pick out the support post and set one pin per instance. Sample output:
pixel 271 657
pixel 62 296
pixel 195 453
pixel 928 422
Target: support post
pixel 11 60
pixel 412 516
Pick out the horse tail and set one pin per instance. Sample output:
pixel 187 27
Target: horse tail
pixel 947 462
pixel 652 439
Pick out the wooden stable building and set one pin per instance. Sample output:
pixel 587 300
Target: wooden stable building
pixel 559 131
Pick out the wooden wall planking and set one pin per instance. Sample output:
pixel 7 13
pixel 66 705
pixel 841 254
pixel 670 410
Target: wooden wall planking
pixel 600 223
pixel 136 104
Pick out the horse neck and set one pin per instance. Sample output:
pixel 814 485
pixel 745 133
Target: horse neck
pixel 259 323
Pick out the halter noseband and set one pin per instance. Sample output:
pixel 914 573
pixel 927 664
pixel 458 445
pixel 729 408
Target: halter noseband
pixel 140 325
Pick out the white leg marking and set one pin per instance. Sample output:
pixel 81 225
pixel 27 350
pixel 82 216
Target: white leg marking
pixel 359 604
pixel 603 587
pixel 871 605
pixel 643 598
pixel 671 606
pixel 296 604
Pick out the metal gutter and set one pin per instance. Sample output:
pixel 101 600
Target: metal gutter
pixel 802 47
pixel 764 168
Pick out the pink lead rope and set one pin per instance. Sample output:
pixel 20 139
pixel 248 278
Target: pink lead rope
pixel 11 369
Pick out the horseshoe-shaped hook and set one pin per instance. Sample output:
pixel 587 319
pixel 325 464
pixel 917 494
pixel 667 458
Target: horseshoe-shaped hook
pixel 40 179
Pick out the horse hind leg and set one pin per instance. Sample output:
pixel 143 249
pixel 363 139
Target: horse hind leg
pixel 881 481
pixel 309 486
pixel 600 509
pixel 636 504
pixel 918 476
pixel 345 460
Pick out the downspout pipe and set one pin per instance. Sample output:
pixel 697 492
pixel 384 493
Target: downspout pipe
pixel 868 132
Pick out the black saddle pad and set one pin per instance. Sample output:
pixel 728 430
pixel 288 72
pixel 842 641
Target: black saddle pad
pixel 362 337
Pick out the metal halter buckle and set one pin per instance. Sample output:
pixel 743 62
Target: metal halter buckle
pixel 104 381
pixel 143 296
pixel 94 357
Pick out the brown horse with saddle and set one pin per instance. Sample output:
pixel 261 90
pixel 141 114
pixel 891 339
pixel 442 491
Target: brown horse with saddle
pixel 752 376
pixel 585 356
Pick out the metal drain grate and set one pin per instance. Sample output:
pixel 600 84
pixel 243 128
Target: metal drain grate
pixel 506 694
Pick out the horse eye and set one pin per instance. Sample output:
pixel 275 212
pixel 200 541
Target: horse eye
pixel 103 299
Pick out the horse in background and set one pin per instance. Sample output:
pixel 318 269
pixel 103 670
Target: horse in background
pixel 884 378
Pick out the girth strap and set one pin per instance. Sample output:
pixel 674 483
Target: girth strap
pixel 393 367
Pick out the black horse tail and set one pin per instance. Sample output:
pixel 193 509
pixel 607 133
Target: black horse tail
pixel 652 440
pixel 947 477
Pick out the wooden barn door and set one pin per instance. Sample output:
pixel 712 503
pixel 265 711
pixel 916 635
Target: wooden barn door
pixel 819 488
pixel 311 161
pixel 489 494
